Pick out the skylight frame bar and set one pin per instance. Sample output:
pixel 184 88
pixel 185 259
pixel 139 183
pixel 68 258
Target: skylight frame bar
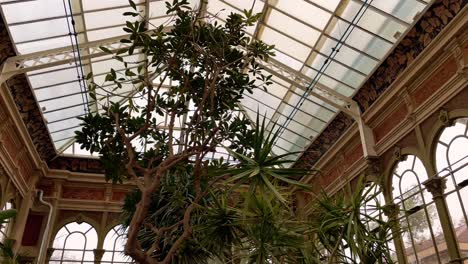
pixel 61 96
pixel 315 50
pixel 82 13
pixel 398 40
pixel 269 119
pixel 383 13
pixel 429 4
pixel 308 114
pixel 307 98
pixel 83 32
pixel 62 108
pixel 282 100
pixel 70 117
pixel 257 30
pixel 306 60
pixel 347 21
pixel 15 2
pixel 54 85
pixel 303 77
pixel 312 47
pixel 324 33
pixel 62 139
pixel 287 54
pixel 64 129
pixel 339 18
pixel 316 28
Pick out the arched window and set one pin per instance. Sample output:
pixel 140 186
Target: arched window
pixel 74 243
pixel 4 227
pixel 452 164
pixel 114 244
pixel 422 233
pixel 373 209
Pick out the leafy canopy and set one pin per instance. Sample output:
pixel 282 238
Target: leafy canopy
pixel 170 107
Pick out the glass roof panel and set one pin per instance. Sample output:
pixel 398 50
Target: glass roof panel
pixel 403 9
pixel 302 11
pixel 293 28
pixel 331 44
pixel 285 44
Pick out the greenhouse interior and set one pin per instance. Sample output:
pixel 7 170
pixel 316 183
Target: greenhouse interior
pixel 233 131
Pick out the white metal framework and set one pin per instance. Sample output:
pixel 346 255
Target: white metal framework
pixel 325 51
pixel 74 243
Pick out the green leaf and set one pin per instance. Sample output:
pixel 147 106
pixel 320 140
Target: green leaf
pixel 89 75
pixel 132 4
pixel 273 189
pixel 106 50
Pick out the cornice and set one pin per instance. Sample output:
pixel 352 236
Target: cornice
pixel 423 65
pixel 371 97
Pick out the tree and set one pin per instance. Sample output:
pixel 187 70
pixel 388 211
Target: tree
pixel 417 221
pixel 183 210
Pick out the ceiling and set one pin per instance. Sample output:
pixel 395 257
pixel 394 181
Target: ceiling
pixel 332 44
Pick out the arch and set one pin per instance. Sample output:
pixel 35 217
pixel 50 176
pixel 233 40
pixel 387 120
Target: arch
pixel 417 216
pixel 399 155
pixel 75 218
pixel 114 244
pixel 6 226
pixel 450 154
pixel 74 242
pixel 437 129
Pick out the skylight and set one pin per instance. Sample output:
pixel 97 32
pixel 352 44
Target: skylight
pixel 328 43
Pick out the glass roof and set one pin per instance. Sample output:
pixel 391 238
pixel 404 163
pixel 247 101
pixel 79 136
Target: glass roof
pixel 336 44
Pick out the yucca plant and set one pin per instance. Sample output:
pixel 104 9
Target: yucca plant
pixel 263 171
pixel 348 232
pixel 6 247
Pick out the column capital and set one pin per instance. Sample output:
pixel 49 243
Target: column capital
pixel 391 210
pixel 435 186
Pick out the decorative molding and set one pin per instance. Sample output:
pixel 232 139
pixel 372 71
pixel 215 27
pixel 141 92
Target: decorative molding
pixel 435 186
pixel 444 118
pixel 397 156
pixel 74 164
pixel 83 193
pixel 391 210
pixel 32 117
pixel 418 38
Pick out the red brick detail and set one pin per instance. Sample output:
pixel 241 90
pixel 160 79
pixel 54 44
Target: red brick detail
pixel 32 230
pixel 331 176
pixel 435 82
pixel 353 155
pixel 9 144
pixel 391 121
pixel 47 187
pixel 25 168
pixel 80 193
pixel 118 196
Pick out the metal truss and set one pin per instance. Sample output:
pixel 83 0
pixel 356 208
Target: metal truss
pixel 54 57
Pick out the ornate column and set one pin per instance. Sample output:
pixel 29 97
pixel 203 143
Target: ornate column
pixel 391 210
pixel 436 187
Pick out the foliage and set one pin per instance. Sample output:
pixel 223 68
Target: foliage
pixel 6 248
pixel 350 228
pixel 166 113
pixel 184 106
